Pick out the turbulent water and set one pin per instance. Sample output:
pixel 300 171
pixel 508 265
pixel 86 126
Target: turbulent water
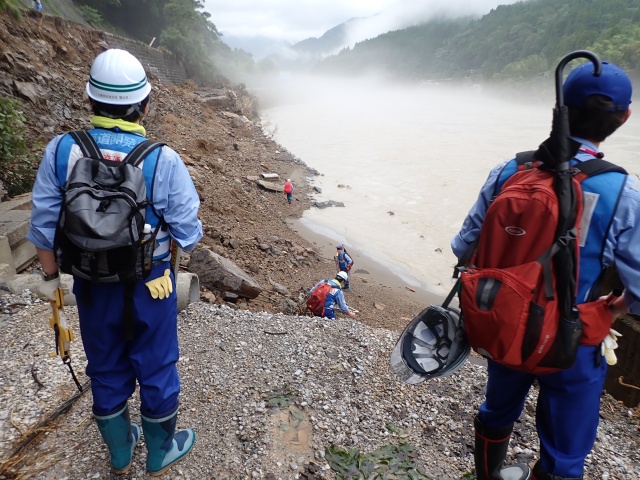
pixel 408 162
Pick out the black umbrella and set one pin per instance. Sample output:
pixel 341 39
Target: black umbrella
pixel 556 153
pixel 558 149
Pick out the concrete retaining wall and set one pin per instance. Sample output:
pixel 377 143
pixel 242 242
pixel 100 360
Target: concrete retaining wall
pixel 157 62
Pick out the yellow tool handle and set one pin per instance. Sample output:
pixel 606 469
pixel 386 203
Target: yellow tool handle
pixel 58 322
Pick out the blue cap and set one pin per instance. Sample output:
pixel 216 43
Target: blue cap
pixel 339 247
pixel 612 83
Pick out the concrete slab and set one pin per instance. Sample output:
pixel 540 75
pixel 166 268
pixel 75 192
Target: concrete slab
pixel 270 176
pixel 270 186
pixel 15 216
pixel 20 202
pixel 14 224
pixel 24 253
pixel 6 257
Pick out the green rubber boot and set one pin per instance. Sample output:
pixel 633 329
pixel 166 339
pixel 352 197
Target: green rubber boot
pixel 165 446
pixel 121 436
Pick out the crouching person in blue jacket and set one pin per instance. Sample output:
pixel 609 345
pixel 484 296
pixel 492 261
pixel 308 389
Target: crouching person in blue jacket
pixel 335 296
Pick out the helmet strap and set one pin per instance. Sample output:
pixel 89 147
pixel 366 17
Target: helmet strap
pixel 134 108
pixel 130 110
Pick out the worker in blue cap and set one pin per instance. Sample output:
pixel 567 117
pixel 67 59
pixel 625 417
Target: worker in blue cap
pixel 344 263
pixel 568 402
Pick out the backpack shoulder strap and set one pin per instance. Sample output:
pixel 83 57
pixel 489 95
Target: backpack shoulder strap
pixel 525 159
pixel 522 161
pixel 134 157
pixel 140 151
pixel 86 143
pixel 594 167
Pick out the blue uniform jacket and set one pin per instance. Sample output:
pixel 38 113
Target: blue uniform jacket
pixel 173 194
pixel 344 260
pixel 618 244
pixel 334 296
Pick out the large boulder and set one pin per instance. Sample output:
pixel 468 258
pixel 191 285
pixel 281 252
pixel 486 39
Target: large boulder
pixel 219 273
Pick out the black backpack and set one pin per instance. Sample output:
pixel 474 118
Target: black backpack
pixel 99 235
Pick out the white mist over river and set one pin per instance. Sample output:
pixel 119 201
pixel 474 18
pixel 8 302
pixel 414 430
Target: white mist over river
pixel 411 160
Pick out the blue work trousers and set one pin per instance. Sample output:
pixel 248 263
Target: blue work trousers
pixel 567 412
pixel 113 363
pixel 346 283
pixel 329 313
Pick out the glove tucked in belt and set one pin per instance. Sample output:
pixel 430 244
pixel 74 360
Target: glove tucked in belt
pixel 160 287
pixel 609 344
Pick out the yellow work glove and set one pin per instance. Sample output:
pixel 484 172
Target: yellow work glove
pixel 160 287
pixel 609 344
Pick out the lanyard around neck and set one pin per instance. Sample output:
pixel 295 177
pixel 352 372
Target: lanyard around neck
pixel 592 152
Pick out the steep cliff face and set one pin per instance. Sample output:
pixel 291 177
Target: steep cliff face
pixel 46 59
pixel 61 8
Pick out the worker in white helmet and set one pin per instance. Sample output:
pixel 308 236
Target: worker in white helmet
pixel 129 330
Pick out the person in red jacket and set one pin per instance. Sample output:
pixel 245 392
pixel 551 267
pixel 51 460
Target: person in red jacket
pixel 288 190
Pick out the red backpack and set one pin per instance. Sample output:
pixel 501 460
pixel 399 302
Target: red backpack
pixel 288 188
pixel 518 289
pixel 318 296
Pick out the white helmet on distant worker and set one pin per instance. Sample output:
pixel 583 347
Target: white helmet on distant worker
pixel 343 276
pixel 117 78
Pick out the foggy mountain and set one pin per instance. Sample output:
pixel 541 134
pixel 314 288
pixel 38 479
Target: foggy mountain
pixel 259 46
pixel 403 14
pixel 519 42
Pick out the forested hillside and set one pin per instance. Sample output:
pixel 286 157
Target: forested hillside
pixel 180 26
pixel 513 42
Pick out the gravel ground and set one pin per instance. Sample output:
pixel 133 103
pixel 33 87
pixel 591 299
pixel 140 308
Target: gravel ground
pixel 267 394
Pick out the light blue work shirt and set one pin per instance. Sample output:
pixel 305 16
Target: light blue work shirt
pixel 621 247
pixel 174 197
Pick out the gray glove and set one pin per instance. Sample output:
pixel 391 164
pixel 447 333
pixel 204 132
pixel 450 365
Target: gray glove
pixel 47 288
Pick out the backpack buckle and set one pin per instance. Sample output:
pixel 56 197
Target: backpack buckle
pixel 567 238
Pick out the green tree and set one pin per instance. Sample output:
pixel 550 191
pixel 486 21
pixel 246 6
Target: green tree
pixel 181 26
pixel 622 47
pixel 190 34
pixel 532 66
pixel 516 40
pixel 17 163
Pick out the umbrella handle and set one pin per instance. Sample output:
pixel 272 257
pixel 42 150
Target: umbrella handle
pixel 597 69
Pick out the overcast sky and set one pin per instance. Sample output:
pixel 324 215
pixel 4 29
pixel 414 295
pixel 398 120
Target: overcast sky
pixel 296 20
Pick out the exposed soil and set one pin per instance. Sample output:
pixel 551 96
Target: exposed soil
pixel 46 61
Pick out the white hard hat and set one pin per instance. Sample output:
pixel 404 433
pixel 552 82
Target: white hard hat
pixel 343 275
pixel 117 78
